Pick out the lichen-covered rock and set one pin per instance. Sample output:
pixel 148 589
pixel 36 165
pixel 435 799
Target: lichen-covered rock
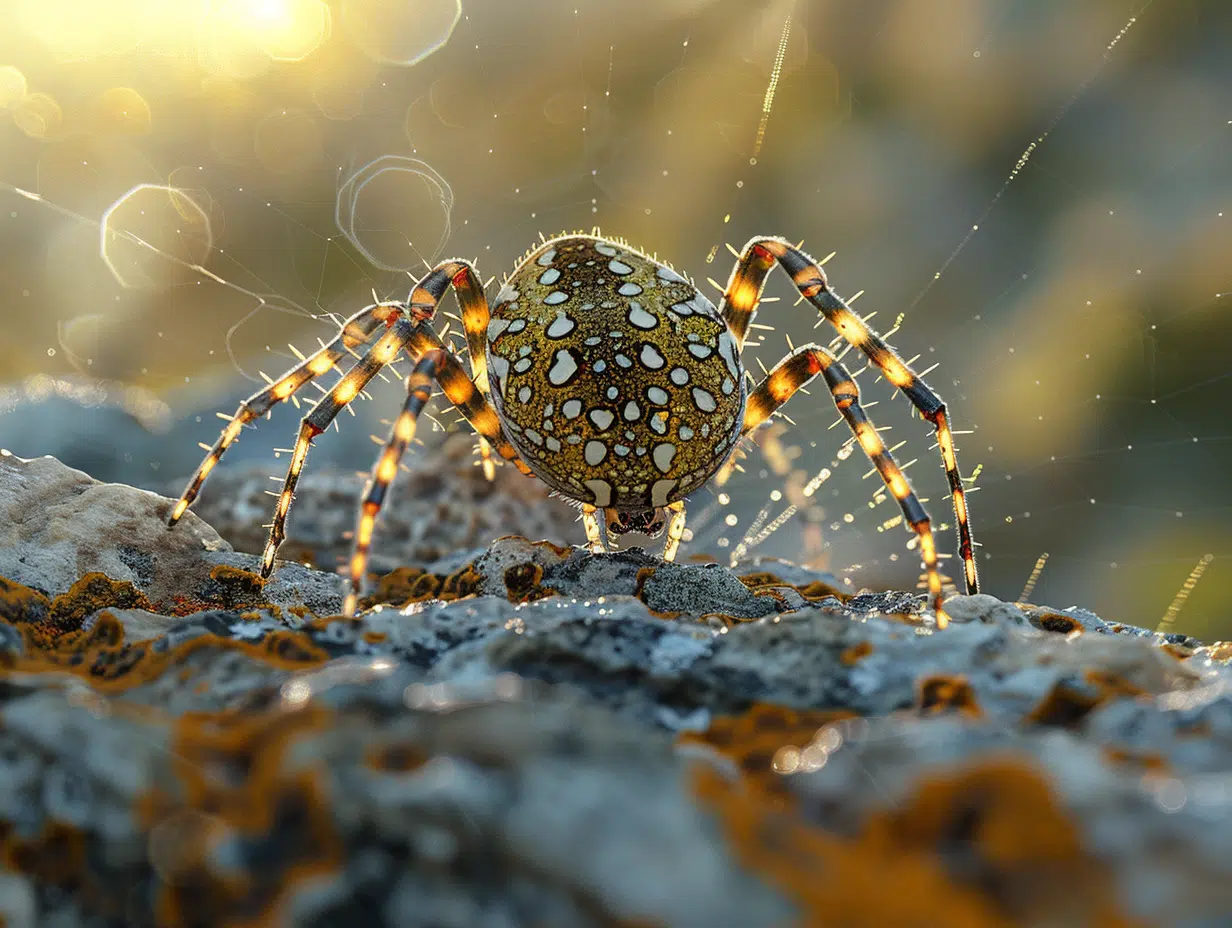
pixel 533 734
pixel 58 524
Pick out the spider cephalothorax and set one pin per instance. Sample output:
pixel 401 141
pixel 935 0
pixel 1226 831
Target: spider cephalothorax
pixel 610 377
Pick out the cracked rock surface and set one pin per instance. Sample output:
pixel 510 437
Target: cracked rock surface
pixel 528 734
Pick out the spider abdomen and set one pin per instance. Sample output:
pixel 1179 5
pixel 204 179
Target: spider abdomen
pixel 617 381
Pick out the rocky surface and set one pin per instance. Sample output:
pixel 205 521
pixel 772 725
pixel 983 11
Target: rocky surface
pixel 528 734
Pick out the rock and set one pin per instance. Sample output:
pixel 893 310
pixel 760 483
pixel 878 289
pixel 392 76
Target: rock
pixel 532 734
pixel 57 524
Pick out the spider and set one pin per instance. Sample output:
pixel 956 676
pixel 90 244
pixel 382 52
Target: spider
pixel 607 375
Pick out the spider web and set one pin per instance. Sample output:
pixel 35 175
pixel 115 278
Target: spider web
pixel 1030 197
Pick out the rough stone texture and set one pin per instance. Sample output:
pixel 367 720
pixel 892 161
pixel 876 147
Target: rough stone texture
pixel 440 505
pixel 529 734
pixel 57 524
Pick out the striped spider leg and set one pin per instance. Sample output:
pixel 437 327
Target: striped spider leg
pixel 322 414
pixel 468 289
pixel 739 305
pixel 354 332
pixel 435 365
pixel 468 393
pixel 408 329
pixel 796 371
pixel 418 392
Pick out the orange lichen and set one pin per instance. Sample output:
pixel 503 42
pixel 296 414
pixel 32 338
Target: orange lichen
pixel 101 656
pixel 233 776
pixel 1144 761
pixel 1111 685
pixel 395 757
pixel 639 581
pixel 19 603
pixel 1055 622
pixel 405 585
pixel 982 846
pixel 1064 705
pixel 1179 651
pixel 523 583
pixel 753 738
pixel 818 590
pixel 942 693
pixel 238 588
pixel 762 578
pixel 1067 704
pixel 92 592
pixel 56 856
pixel 1220 652
pixel 460 584
pixel 834 881
pixel 856 653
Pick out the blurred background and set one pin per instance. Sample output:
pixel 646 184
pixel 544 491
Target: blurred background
pixel 1030 193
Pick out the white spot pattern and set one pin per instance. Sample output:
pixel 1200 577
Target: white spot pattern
pixel 663 455
pixel 563 369
pixel 595 452
pixel 651 358
pixel 659 492
pixel 561 326
pixel 704 400
pixel 727 348
pixel 639 317
pixel 602 491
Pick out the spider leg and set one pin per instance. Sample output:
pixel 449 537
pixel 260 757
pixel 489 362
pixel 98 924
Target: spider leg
pixel 475 317
pixel 675 530
pixel 594 530
pixel 435 363
pixel 472 402
pixel 418 392
pixel 794 372
pixel 355 331
pixel 740 305
pixel 322 414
